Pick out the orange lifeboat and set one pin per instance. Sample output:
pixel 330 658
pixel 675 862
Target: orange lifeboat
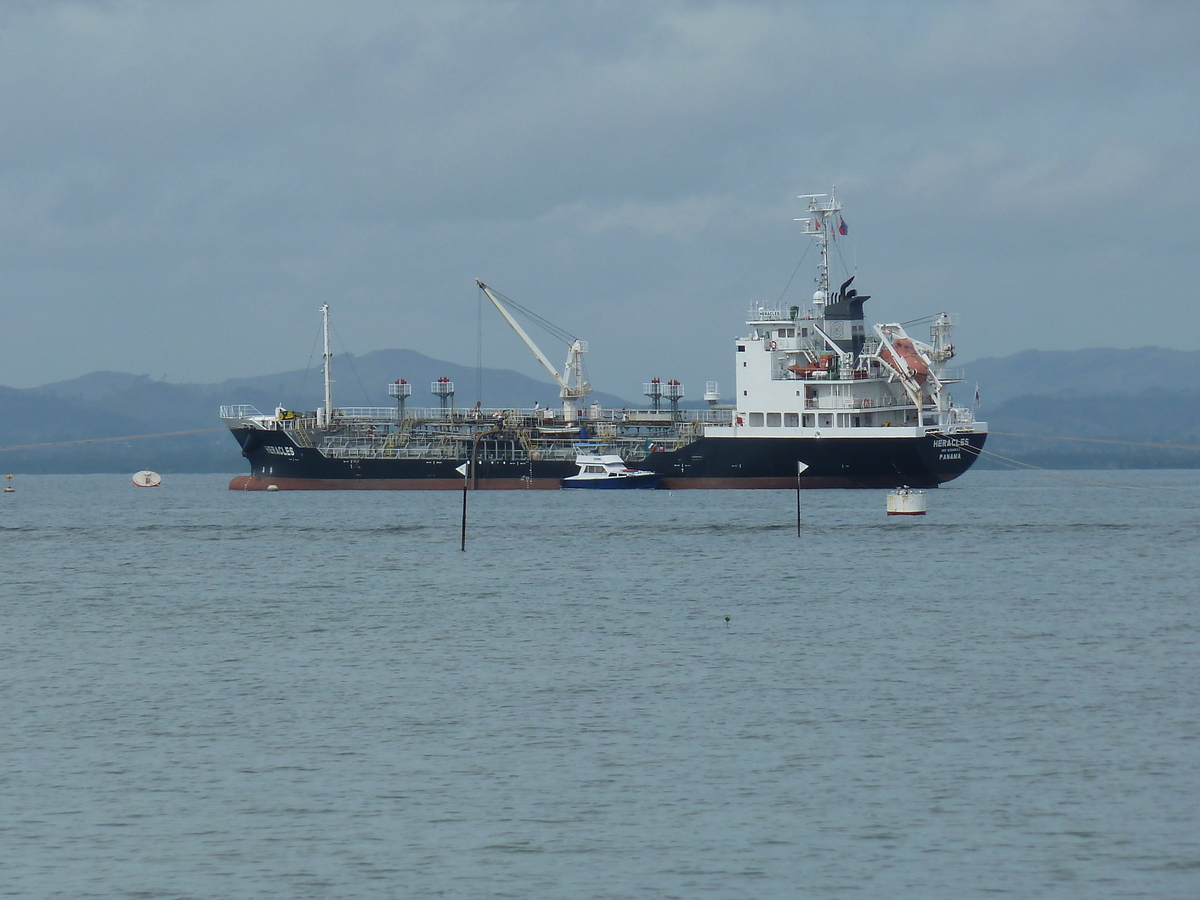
pixel 821 365
pixel 911 359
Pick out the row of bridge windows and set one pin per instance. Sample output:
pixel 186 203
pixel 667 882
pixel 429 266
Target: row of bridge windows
pixel 808 420
pixel 776 420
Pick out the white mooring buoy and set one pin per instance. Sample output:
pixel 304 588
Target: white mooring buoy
pixel 146 478
pixel 272 487
pixel 905 502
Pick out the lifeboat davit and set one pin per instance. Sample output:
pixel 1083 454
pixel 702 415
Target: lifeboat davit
pixel 912 360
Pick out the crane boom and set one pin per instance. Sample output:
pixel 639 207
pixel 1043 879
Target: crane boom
pixel 570 393
pixel 516 326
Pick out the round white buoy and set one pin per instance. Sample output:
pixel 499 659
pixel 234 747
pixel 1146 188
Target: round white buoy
pixel 146 478
pixel 905 502
pixel 272 487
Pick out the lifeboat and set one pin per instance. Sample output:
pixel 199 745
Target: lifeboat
pixel 912 360
pixel 821 365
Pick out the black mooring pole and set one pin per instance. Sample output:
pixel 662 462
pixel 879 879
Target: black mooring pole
pixel 800 467
pixel 464 469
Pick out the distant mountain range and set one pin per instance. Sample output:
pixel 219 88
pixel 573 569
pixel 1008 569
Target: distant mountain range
pixel 1099 408
pixel 1083 372
pixel 1122 401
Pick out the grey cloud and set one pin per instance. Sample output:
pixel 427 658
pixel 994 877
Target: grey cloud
pixel 215 170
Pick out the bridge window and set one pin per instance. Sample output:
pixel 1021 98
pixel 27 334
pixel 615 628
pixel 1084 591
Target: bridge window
pixel 756 420
pixel 791 420
pixel 774 420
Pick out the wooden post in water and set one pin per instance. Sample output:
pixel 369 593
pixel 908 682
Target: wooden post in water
pixel 800 467
pixel 463 470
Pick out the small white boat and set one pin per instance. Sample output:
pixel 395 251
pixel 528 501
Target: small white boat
pixel 146 478
pixel 608 472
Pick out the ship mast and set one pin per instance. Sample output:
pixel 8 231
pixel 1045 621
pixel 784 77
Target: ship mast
pixel 818 226
pixel 328 365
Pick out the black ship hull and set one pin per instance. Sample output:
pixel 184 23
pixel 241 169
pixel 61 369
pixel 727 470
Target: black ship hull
pixel 875 462
pixel 739 463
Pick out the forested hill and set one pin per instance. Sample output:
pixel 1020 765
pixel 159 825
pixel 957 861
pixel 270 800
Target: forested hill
pixel 1133 398
pixel 1097 373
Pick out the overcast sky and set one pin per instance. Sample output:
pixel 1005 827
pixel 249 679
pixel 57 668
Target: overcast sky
pixel 182 184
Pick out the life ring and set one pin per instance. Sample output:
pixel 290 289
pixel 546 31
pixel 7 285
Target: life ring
pixel 771 345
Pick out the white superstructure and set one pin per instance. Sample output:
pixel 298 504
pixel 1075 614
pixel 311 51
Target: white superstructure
pixel 819 371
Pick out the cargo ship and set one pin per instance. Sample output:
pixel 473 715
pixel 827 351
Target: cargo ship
pixel 816 390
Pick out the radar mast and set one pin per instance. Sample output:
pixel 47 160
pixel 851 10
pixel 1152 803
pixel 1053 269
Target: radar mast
pixel 818 224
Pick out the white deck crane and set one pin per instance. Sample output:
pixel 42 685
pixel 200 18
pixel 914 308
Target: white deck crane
pixel 571 386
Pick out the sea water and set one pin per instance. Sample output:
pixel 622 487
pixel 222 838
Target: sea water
pixel 207 693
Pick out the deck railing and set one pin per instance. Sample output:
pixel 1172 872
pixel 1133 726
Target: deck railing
pixel 545 418
pixel 239 411
pixel 856 403
pixel 365 412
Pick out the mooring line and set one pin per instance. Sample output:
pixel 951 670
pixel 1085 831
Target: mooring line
pixel 1057 473
pixel 1054 437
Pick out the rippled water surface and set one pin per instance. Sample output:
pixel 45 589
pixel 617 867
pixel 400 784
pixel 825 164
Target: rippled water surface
pixel 217 694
